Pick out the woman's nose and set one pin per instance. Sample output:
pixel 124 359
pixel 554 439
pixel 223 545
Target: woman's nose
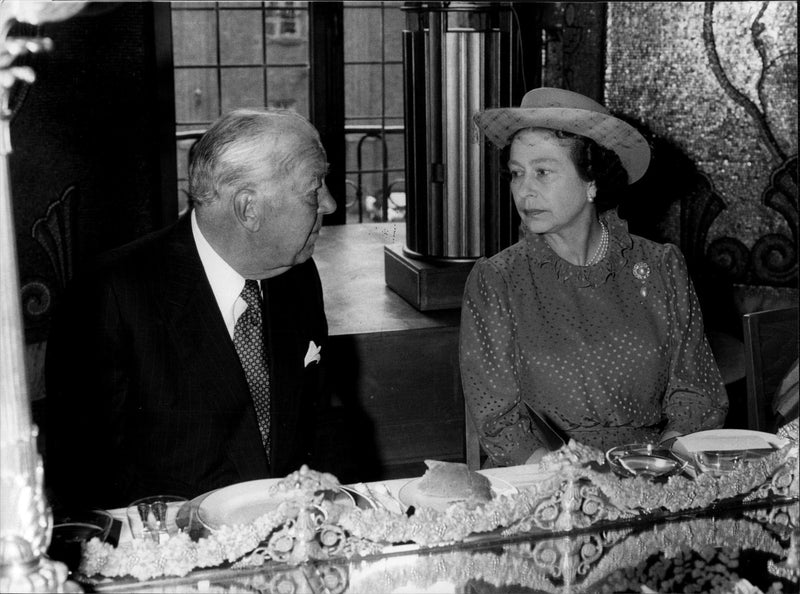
pixel 525 185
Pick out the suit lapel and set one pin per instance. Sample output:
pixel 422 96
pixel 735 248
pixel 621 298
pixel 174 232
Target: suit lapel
pixel 199 330
pixel 287 336
pixel 207 350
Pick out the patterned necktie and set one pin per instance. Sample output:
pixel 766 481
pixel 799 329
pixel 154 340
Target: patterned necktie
pixel 248 338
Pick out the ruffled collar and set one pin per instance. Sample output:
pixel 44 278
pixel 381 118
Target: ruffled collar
pixel 541 255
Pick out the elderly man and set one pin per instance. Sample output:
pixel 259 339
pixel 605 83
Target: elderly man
pixel 190 359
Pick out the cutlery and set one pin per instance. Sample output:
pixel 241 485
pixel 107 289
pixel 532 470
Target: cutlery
pixel 554 437
pixel 363 491
pixel 382 489
pixel 378 495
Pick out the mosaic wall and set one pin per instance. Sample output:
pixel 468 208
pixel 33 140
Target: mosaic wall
pixel 714 84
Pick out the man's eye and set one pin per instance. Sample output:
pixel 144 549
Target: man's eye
pixel 515 174
pixel 542 172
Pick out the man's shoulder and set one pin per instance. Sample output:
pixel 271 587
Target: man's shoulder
pixel 145 260
pixel 149 248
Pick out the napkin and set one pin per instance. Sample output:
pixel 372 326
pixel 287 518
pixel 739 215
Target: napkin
pixel 704 443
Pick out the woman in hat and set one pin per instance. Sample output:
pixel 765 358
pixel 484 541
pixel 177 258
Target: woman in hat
pixel 594 328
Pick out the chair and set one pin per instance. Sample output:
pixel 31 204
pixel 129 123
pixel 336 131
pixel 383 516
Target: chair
pixel 771 346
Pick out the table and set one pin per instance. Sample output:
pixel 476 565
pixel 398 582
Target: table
pixel 710 550
pixel 393 419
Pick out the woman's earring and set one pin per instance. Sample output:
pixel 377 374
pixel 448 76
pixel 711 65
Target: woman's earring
pixel 590 194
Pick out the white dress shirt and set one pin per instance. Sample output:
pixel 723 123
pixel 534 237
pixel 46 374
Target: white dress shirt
pixel 226 283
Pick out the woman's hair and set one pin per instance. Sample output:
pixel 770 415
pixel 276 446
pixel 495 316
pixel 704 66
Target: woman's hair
pixel 233 154
pixel 593 162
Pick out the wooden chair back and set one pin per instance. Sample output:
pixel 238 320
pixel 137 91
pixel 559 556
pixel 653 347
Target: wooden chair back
pixel 771 346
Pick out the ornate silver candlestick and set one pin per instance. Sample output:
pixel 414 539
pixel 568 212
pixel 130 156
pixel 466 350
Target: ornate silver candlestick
pixel 25 517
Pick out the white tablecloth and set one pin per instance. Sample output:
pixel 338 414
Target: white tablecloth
pixel 517 476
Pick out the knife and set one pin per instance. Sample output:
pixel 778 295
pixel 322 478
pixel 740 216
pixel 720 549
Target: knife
pixel 554 436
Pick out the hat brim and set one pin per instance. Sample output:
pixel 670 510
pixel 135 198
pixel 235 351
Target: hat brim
pixel 500 124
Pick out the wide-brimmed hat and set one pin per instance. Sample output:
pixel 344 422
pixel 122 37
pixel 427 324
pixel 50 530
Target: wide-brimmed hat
pixel 558 109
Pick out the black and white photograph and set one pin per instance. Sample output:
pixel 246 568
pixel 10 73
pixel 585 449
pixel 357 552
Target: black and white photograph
pixel 399 297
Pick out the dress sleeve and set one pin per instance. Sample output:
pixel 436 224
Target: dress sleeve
pixel 488 368
pixel 695 398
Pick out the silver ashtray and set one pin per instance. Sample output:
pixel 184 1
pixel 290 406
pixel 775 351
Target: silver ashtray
pixel 644 459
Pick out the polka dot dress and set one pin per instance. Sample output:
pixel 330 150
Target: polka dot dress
pixel 614 353
pixel 248 338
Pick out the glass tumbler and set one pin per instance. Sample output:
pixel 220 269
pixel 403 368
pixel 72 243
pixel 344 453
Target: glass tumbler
pixel 155 517
pixel 72 531
pixel 719 462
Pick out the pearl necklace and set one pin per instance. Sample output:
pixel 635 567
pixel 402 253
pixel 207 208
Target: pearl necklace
pixel 602 247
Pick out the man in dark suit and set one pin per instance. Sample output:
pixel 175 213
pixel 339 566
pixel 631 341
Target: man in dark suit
pixel 148 389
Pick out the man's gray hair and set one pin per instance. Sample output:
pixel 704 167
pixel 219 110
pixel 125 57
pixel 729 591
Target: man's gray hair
pixel 231 153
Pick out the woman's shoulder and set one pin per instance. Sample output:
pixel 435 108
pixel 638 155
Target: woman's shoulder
pixel 506 260
pixel 662 252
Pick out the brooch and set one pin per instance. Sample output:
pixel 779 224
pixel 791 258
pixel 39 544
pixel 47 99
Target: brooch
pixel 641 270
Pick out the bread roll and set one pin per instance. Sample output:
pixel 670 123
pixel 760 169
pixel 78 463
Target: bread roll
pixel 454 481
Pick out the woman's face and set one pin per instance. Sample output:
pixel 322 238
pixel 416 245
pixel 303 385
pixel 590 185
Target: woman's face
pixel 548 192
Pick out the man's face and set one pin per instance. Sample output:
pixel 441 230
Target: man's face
pixel 292 211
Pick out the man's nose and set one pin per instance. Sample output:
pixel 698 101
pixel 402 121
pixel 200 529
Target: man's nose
pixel 327 204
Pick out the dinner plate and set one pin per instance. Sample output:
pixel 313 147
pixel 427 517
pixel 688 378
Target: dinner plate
pixel 410 494
pixel 243 503
pixel 756 443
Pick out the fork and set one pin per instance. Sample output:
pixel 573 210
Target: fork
pixel 374 494
pixel 382 489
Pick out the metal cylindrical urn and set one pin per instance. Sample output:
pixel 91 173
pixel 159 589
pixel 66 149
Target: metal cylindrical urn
pixel 457 61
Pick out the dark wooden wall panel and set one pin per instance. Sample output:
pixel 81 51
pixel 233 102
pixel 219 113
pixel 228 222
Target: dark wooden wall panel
pixel 92 146
pixel 397 399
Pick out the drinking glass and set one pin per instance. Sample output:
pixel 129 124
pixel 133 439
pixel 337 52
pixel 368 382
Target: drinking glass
pixel 71 531
pixel 155 517
pixel 719 462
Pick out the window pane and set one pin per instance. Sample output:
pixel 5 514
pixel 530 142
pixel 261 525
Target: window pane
pixel 395 153
pixel 196 95
pixel 394 21
pixel 242 87
pixel 362 92
pixel 362 4
pixel 287 36
pixel 194 39
pixel 362 41
pixel 182 147
pixel 240 37
pixel 394 90
pixel 287 88
pixel 196 5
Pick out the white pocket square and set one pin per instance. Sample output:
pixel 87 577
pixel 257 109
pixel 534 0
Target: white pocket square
pixel 312 355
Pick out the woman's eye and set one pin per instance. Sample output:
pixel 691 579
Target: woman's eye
pixel 515 174
pixel 542 172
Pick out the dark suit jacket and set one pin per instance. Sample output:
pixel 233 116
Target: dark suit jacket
pixel 145 392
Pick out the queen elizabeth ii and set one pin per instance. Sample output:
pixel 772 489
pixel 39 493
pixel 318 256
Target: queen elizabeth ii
pixel 597 328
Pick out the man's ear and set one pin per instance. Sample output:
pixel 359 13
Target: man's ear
pixel 245 209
